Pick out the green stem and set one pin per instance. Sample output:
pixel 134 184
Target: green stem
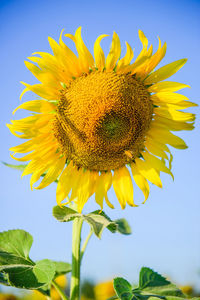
pixel 60 291
pixel 86 243
pixel 76 259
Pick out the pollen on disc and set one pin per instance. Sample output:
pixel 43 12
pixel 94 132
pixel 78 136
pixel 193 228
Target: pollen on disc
pixel 101 117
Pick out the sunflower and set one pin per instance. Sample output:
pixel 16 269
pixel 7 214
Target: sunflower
pixel 99 119
pixel 104 290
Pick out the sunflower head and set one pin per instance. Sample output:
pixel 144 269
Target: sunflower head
pixel 98 118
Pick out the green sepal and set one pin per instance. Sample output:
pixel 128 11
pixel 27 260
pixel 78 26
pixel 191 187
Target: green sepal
pixel 17 167
pixel 21 168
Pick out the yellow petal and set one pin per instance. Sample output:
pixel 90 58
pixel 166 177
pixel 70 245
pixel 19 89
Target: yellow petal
pixel 38 165
pixel 126 59
pixel 53 172
pixel 155 149
pixel 66 60
pixel 143 38
pixel 65 183
pixel 157 144
pixel 104 183
pixel 51 69
pixel 69 58
pixel 49 77
pixel 114 53
pixel 165 136
pixel 23 92
pixel 175 115
pixel 140 181
pixel 156 163
pixel 168 97
pixel 137 65
pixel 83 190
pixel 144 42
pixel 78 178
pixel 123 187
pixel 44 91
pixel 85 57
pixel 44 151
pixel 31 124
pixel 31 144
pixel 167 86
pixel 165 72
pixel 31 167
pixel 98 53
pixel 108 202
pixel 173 125
pixel 152 62
pixel 40 170
pixel 39 106
pixel 148 171
pixel 179 105
pixel 82 48
pixel 150 51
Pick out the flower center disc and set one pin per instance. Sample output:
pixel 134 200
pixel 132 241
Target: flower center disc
pixel 100 118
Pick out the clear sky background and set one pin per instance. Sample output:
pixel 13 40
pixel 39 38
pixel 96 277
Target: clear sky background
pixel 166 230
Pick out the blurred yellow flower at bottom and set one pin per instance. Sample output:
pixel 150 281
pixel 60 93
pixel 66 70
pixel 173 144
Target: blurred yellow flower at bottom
pixel 7 297
pixel 187 289
pixel 60 280
pixel 104 290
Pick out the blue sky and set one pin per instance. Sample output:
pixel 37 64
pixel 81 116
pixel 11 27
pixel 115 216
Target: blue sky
pixel 166 230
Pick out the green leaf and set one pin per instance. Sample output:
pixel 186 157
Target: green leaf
pixel 17 167
pixel 65 214
pixel 16 242
pixel 21 271
pixel 44 270
pixel 152 286
pixel 35 277
pixel 45 290
pixel 123 227
pixel 4 279
pixel 62 268
pixel 155 284
pixel 150 278
pixel 17 269
pixel 123 288
pixel 98 221
pixel 23 274
pixel 112 224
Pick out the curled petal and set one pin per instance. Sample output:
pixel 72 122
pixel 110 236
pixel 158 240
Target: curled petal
pixel 98 53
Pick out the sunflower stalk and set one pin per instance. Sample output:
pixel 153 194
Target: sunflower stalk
pixel 59 290
pixel 86 243
pixel 76 259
